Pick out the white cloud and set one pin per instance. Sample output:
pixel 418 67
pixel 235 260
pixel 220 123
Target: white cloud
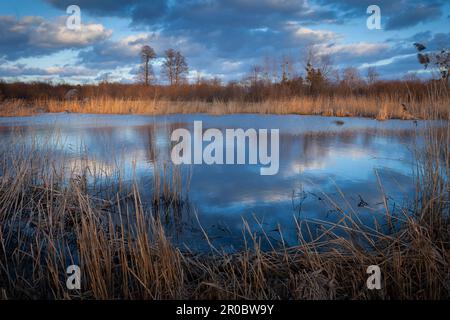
pixel 32 36
pixel 18 69
pixel 56 34
pixel 353 49
pixel 314 35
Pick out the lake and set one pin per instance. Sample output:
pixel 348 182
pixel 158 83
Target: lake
pixel 327 167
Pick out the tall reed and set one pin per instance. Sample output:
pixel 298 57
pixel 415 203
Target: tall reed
pixel 50 219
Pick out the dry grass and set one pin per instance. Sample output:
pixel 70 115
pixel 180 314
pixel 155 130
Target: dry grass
pixel 351 106
pixel 49 219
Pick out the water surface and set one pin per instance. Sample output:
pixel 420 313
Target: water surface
pixel 327 166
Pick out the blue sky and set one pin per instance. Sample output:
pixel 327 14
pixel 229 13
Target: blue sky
pixel 219 38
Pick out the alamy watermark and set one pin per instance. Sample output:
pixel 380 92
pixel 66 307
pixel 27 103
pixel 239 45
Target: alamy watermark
pixel 73 21
pixel 374 280
pixel 374 20
pixel 259 150
pixel 73 281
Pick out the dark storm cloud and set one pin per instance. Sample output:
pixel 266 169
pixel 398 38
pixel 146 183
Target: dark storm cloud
pixel 414 15
pixel 233 26
pixel 215 12
pixel 436 41
pixel 243 13
pixel 397 14
pixel 241 28
pixel 136 9
pixel 220 31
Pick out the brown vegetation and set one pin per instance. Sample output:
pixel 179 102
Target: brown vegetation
pixel 381 100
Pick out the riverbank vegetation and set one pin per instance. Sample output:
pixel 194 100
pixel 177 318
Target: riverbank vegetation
pixel 410 99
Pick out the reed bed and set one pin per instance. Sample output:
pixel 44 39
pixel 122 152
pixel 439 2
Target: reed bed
pixel 50 219
pixel 381 108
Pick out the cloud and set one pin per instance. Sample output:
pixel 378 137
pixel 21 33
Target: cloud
pixel 433 41
pixel 33 36
pixel 126 51
pixel 138 10
pixel 19 69
pixel 398 66
pixel 395 15
pixel 148 12
pixel 413 16
pixel 221 37
pixel 220 26
pixel 351 50
pixel 111 54
pixel 310 35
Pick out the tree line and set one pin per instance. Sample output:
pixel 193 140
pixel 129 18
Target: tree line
pixel 318 76
pixel 174 66
pixel 272 79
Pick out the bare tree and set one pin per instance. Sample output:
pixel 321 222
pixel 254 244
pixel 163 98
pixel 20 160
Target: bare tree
pixel 325 65
pixel 255 75
pixel 411 77
pixel 147 54
pixel 104 77
pixel 267 69
pixel 372 75
pixel 287 68
pixel 334 76
pixel 274 70
pixel 351 77
pixel 169 65
pixel 175 67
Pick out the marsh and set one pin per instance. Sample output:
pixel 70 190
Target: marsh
pixel 361 166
